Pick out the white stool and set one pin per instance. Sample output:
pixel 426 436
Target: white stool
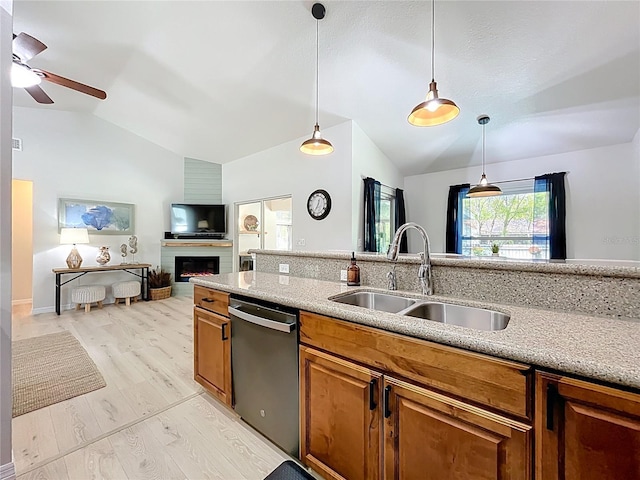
pixel 126 291
pixel 88 294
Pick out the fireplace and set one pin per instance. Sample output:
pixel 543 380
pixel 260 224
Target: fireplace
pixel 187 267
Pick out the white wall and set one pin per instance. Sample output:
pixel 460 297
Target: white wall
pixel 635 152
pixel 368 161
pixel 603 199
pixel 284 170
pixel 6 99
pixel 76 155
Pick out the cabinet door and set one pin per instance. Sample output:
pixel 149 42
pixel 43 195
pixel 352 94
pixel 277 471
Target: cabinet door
pixel 212 353
pixel 428 436
pixel 339 417
pixel 585 431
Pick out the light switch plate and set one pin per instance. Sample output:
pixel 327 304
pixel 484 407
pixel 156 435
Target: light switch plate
pixel 343 275
pixel 283 268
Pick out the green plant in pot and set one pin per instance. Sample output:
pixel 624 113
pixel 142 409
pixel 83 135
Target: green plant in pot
pixel 159 283
pixel 495 248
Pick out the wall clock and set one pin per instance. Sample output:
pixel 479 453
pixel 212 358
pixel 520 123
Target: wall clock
pixel 319 204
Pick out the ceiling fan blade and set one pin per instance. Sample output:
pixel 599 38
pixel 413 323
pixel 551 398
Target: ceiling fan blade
pixel 38 94
pixel 65 82
pixel 27 47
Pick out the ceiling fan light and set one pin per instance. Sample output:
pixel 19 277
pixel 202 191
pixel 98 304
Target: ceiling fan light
pixel 316 145
pixel 22 76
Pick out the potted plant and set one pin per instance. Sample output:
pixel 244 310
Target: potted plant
pixel 495 248
pixel 159 283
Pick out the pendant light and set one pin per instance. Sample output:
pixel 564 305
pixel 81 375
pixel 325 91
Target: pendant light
pixel 317 145
pixel 484 188
pixel 434 110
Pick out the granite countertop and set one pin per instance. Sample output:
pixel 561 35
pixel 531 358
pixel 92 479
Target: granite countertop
pixel 600 348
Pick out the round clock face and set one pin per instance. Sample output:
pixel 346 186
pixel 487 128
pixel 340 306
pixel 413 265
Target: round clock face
pixel 319 204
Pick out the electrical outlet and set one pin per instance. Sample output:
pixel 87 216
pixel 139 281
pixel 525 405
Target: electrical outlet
pixel 301 242
pixel 283 268
pixel 343 275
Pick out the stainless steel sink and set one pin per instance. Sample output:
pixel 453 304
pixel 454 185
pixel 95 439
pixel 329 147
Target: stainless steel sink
pixel 376 301
pixel 469 317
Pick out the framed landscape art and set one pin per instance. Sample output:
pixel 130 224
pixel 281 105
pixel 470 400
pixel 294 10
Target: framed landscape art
pixel 103 218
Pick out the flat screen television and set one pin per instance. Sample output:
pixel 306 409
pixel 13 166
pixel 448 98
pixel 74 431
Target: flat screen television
pixel 198 220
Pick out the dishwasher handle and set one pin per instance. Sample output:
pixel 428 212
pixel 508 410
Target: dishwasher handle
pixel 263 322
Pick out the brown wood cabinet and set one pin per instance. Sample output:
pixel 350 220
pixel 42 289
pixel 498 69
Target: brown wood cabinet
pixel 585 431
pixel 212 345
pixel 348 410
pixel 340 419
pixel 429 436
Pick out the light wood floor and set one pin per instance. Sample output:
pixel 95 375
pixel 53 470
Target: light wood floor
pixel 151 421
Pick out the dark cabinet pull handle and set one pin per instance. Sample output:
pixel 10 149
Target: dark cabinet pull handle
pixel 387 392
pixel 372 396
pixel 224 332
pixel 208 300
pixel 552 397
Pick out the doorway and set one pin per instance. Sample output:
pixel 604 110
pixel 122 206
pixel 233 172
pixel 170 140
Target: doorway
pixel 21 246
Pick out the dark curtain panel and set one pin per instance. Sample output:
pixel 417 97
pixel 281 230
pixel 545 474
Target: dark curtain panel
pixel 553 183
pixel 454 217
pixel 401 218
pixel 371 213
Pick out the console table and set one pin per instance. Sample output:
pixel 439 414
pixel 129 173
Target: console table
pixel 127 267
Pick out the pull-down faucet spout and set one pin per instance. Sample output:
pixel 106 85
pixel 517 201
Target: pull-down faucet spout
pixel 424 272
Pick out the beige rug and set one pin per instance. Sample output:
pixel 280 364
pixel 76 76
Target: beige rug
pixel 50 369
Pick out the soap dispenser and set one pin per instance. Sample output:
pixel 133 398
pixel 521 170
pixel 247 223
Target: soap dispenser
pixel 353 272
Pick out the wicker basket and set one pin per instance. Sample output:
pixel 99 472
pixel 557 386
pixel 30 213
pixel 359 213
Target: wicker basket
pixel 160 293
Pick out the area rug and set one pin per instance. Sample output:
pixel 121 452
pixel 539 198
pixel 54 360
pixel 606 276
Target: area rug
pixel 49 369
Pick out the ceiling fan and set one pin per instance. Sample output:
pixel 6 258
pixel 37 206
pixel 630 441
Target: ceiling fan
pixel 25 47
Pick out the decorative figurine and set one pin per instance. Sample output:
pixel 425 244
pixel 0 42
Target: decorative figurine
pixel 133 244
pixel 123 253
pixel 104 256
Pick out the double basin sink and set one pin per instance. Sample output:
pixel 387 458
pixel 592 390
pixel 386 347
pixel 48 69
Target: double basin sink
pixel 470 317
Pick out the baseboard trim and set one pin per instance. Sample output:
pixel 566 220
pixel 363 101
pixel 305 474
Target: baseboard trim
pixel 7 471
pixel 24 301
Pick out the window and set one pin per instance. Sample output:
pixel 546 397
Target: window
pixel 385 225
pixel 517 221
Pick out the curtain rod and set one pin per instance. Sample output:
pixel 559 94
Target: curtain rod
pixel 523 179
pixel 381 184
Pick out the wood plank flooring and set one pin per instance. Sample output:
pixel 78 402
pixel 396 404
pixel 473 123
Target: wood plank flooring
pixel 151 421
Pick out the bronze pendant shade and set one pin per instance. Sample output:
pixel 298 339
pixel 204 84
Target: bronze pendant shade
pixel 434 110
pixel 316 145
pixel 484 188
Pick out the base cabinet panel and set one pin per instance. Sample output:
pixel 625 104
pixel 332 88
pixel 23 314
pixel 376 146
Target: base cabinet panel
pixel 428 436
pixel 586 431
pixel 340 421
pixel 212 353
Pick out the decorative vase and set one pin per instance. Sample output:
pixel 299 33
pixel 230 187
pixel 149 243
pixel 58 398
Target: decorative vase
pixel 104 256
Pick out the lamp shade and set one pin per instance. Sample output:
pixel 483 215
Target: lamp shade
pixel 434 111
pixel 72 236
pixel 22 76
pixel 316 145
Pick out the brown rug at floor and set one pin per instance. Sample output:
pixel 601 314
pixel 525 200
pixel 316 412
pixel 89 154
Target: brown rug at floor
pixel 50 369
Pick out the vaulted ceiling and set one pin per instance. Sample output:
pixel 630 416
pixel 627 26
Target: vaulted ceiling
pixel 217 80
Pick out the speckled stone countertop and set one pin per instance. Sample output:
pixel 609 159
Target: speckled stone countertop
pixel 600 348
pixel 605 268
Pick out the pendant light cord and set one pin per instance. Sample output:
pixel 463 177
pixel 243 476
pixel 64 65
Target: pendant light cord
pixel 483 125
pixel 317 72
pixel 433 36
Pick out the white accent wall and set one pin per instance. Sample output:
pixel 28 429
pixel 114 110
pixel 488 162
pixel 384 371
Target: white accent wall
pixel 284 170
pixel 603 198
pixel 76 155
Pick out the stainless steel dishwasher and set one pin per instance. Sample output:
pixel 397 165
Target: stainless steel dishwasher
pixel 264 359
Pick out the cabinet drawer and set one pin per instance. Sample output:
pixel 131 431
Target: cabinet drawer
pixel 502 385
pixel 211 300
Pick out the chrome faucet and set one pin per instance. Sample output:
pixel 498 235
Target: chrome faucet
pixel 424 272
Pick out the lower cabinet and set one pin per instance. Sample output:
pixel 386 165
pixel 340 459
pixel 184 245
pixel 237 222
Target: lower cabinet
pixel 585 431
pixel 212 353
pixel 347 409
pixel 429 436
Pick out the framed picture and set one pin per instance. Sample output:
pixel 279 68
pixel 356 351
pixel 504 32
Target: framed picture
pixel 104 218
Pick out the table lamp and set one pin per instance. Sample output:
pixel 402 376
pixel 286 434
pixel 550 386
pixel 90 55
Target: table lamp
pixel 71 236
